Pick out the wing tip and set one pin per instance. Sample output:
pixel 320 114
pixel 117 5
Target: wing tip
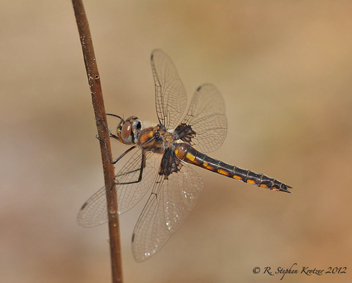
pixel 208 85
pixel 154 52
pixel 84 205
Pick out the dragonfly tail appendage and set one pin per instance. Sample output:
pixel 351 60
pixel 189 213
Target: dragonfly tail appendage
pixel 191 155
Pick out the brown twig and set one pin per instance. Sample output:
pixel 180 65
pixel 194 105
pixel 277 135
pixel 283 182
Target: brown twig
pixel 99 111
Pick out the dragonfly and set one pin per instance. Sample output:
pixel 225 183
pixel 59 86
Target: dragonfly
pixel 163 155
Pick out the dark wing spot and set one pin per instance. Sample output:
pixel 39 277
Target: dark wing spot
pixel 84 205
pixel 169 163
pixel 185 132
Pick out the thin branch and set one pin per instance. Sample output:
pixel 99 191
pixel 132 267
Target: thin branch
pixel 99 111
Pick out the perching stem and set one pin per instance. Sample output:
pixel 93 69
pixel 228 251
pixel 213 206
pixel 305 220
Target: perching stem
pixel 100 115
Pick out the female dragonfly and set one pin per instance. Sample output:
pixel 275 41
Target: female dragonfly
pixel 162 159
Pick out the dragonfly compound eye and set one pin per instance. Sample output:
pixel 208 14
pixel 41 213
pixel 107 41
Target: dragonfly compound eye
pixel 126 130
pixel 137 124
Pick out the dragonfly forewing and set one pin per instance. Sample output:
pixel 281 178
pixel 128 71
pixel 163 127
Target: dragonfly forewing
pixel 170 94
pixel 129 190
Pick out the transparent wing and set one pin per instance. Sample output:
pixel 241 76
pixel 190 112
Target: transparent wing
pixel 167 208
pixel 206 116
pixel 170 94
pixel 129 191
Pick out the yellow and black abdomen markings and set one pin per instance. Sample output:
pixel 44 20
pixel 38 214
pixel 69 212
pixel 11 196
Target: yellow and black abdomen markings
pixel 191 155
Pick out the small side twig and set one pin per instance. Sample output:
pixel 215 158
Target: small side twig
pixel 99 111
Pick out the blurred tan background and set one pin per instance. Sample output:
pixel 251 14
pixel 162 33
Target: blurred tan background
pixel 284 69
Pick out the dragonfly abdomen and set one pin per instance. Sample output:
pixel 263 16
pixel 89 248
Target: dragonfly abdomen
pixel 189 154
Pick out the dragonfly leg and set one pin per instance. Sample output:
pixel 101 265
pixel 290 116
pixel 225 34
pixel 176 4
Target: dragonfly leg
pixel 133 171
pixel 113 115
pixel 130 172
pixel 115 183
pixel 106 127
pixel 107 152
pixel 120 123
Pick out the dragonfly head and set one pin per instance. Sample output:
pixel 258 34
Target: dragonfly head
pixel 128 130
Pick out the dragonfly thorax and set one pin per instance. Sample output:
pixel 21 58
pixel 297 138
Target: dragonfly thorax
pixel 156 139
